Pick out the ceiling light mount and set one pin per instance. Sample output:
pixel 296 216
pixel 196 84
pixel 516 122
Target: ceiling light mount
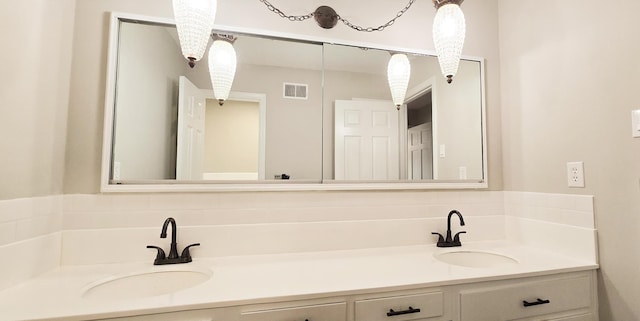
pixel 225 37
pixel 440 3
pixel 327 17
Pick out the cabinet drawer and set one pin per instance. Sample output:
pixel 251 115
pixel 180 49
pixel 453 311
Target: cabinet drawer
pixel 542 297
pixel 409 307
pixel 582 317
pixel 321 312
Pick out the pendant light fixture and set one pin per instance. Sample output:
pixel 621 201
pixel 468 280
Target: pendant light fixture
pixel 194 21
pixel 222 66
pixel 398 74
pixel 448 35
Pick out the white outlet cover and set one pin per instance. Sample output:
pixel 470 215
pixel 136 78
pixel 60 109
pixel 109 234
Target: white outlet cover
pixel 635 123
pixel 575 174
pixel 462 172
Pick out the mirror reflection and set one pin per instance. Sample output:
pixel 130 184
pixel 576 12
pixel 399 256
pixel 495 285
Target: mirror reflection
pixel 436 134
pixel 299 112
pixel 168 125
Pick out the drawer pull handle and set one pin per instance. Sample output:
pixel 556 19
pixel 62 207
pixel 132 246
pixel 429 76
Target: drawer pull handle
pixel 410 310
pixel 538 302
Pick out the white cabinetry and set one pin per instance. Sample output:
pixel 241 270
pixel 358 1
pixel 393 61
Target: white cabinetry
pixel 564 297
pixel 320 312
pixel 558 297
pixel 192 315
pixel 581 317
pixel 424 306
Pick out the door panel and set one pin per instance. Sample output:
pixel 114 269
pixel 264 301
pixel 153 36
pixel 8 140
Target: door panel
pixel 366 140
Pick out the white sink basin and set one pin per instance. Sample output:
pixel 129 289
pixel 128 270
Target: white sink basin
pixel 155 281
pixel 475 259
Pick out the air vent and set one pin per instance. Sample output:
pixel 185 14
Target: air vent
pixel 295 91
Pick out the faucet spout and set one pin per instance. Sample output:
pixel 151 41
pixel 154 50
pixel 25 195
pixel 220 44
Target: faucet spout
pixel 449 241
pixel 173 257
pixel 173 252
pixel 449 219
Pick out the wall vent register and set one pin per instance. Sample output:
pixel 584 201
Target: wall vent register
pixel 295 91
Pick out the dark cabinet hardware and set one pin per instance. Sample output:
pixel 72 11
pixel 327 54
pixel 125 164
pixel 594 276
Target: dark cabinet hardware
pixel 408 311
pixel 449 241
pixel 538 302
pixel 172 258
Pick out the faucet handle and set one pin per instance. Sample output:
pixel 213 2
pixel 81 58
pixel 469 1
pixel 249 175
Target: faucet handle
pixel 160 255
pixel 456 238
pixel 440 237
pixel 186 254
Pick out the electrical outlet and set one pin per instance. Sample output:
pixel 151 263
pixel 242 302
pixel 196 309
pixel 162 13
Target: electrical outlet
pixel 635 123
pixel 462 171
pixel 575 174
pixel 116 170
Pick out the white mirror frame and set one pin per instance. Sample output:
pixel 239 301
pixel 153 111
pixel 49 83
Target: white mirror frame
pixel 213 186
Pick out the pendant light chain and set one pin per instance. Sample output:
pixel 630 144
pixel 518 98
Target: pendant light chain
pixel 279 12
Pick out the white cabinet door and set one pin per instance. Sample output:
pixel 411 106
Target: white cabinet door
pixel 320 312
pixel 526 300
pixel 193 315
pixel 582 317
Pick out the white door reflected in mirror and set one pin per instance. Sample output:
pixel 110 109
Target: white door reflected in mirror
pixel 366 146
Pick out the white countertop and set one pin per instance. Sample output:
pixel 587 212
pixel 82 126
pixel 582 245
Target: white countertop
pixel 57 295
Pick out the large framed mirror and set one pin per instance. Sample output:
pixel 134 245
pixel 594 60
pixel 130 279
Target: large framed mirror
pixel 294 119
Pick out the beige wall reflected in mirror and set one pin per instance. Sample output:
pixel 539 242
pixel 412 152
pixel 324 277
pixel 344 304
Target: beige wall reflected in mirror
pixel 437 136
pixel 232 140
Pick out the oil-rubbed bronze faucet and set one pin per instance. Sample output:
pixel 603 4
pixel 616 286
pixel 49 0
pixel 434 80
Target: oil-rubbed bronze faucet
pixel 173 257
pixel 448 241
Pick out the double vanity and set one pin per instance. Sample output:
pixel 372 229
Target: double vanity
pixel 476 281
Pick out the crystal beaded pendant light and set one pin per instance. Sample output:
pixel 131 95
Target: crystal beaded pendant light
pixel 448 35
pixel 194 21
pixel 222 68
pixel 398 74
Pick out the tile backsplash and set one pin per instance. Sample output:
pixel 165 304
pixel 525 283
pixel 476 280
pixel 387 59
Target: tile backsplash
pixel 268 223
pixel 26 218
pixel 561 223
pixel 107 228
pixel 30 237
pixel 150 210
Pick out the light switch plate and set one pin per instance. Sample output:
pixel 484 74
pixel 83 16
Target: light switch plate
pixel 635 123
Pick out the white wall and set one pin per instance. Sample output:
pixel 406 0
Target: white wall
pixel 570 75
pixel 34 95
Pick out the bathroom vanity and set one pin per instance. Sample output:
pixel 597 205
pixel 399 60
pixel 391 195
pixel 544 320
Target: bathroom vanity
pixel 572 295
pixel 499 281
